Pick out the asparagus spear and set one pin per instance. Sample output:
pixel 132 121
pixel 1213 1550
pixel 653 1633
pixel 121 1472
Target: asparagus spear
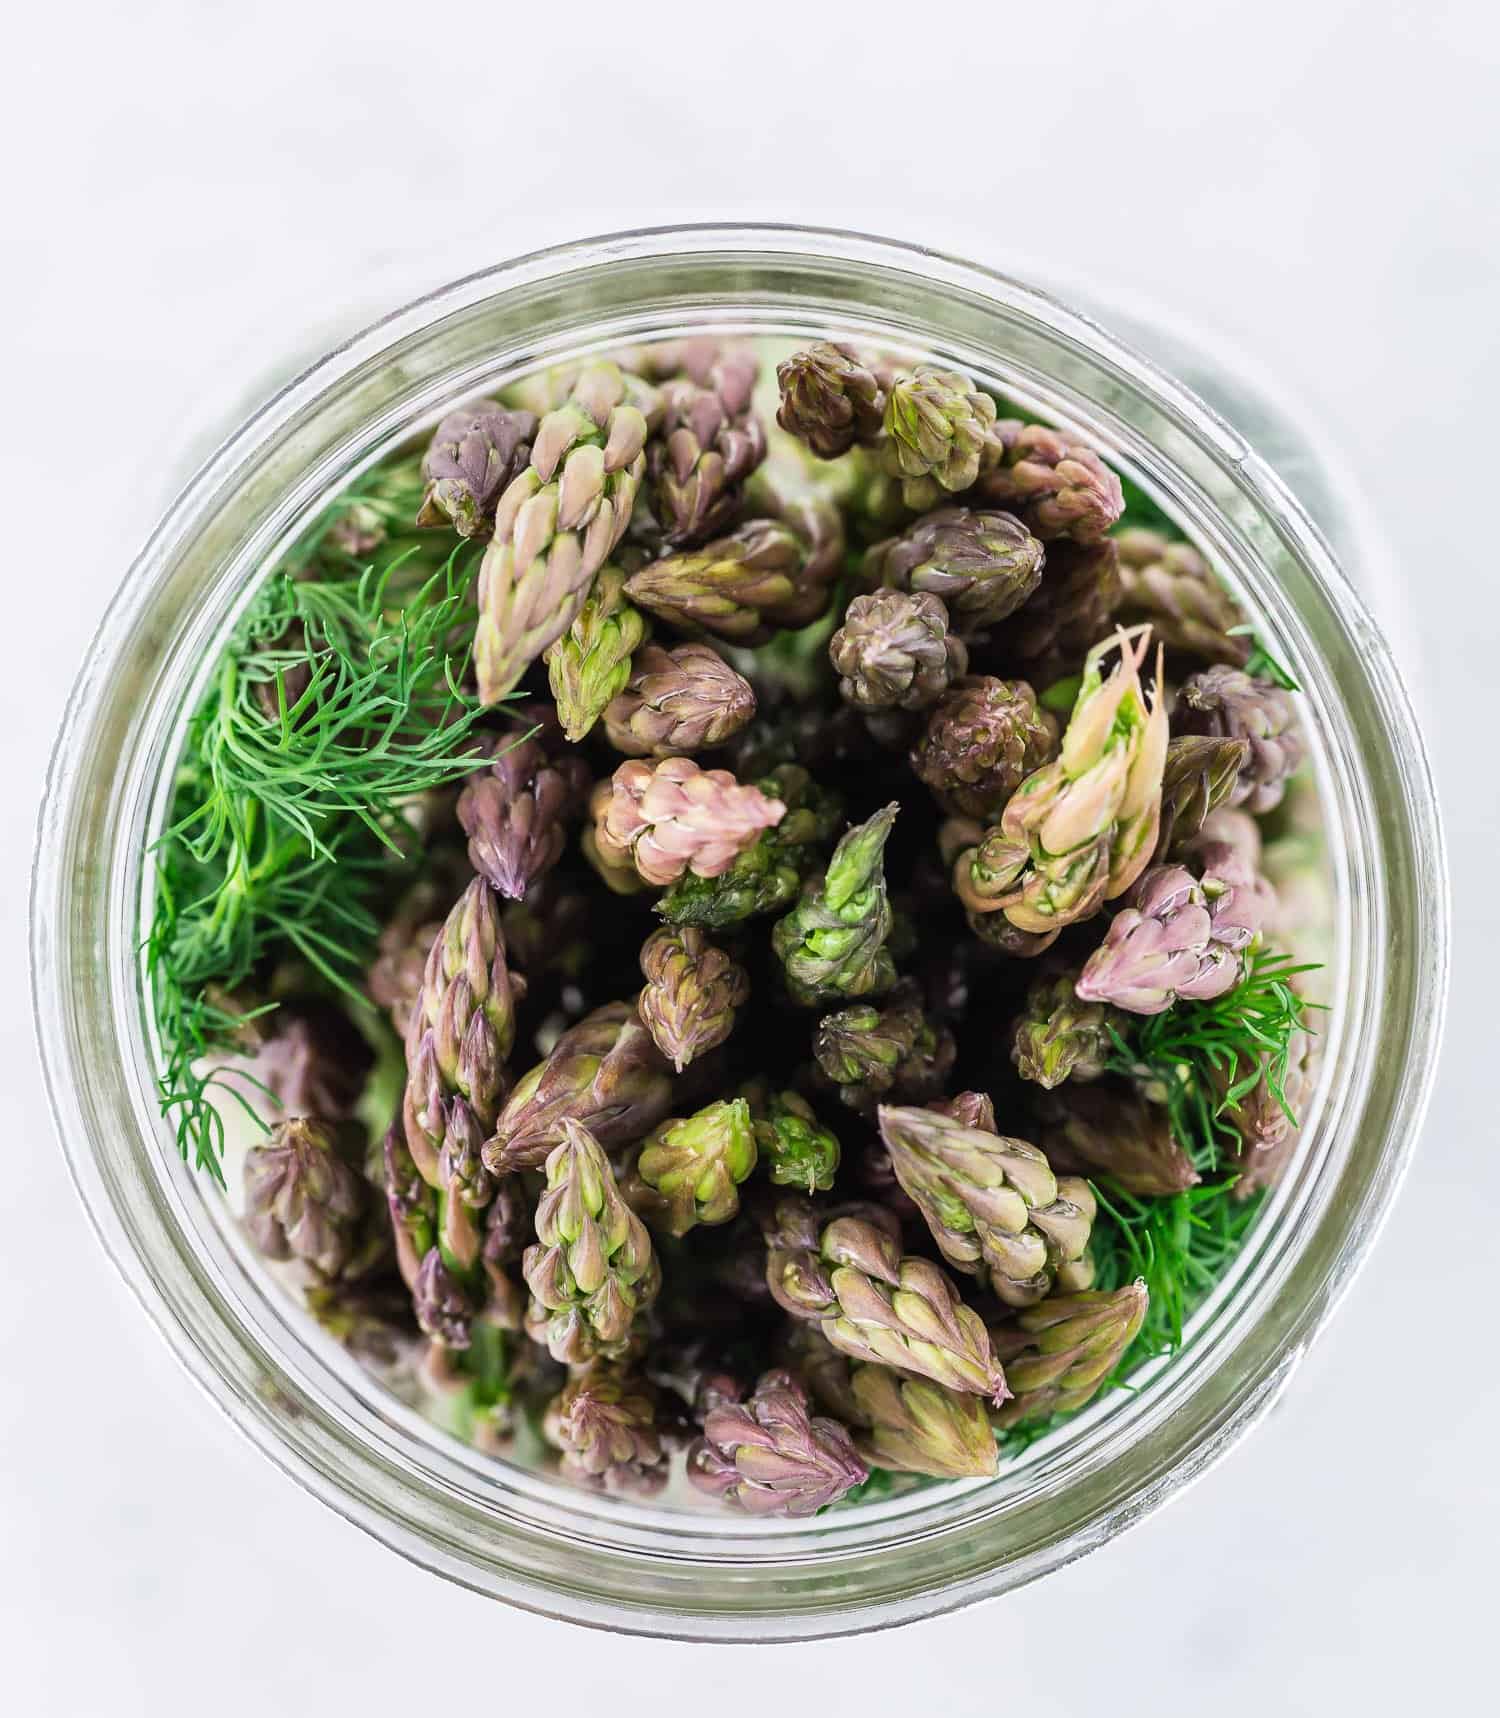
pixel 771 1456
pixel 592 1268
pixel 675 701
pixel 894 651
pixel 1081 829
pixel 671 816
pixel 692 991
pixel 981 742
pixel 873 1303
pixel 1060 1353
pixel 993 1204
pixel 832 943
pixel 559 521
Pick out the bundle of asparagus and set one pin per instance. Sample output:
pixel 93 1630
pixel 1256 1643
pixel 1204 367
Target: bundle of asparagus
pixel 838 1022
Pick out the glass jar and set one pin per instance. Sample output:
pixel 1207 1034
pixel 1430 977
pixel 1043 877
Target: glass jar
pixel 512 1533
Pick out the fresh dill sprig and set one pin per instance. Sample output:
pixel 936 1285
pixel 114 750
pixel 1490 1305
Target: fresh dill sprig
pixel 339 699
pixel 213 926
pixel 1180 1245
pixel 1201 1058
pixel 379 717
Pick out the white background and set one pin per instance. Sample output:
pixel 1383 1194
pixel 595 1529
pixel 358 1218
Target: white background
pixel 186 185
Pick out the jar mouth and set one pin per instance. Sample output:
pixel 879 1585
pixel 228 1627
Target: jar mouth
pixel 514 1535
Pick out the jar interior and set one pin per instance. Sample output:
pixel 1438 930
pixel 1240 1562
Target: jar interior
pixel 525 1452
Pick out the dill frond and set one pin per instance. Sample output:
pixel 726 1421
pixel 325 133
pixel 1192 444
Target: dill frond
pixel 1201 1058
pixel 338 699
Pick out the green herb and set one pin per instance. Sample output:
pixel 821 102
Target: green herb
pixel 1261 665
pixel 337 700
pixel 1181 1245
pixel 379 719
pixel 1202 1058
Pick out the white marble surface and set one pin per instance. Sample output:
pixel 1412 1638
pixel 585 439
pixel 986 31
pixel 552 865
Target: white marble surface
pixel 186 182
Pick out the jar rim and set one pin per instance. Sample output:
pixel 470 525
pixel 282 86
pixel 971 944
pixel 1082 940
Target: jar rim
pixel 309 1413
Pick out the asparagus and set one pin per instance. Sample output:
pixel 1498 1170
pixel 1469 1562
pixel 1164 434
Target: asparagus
pixel 1094 1130
pixel 981 742
pixel 970 1109
pixel 689 1170
pixel 913 1426
pixel 676 701
pixel 1071 610
pixel 797 1149
pixel 894 651
pixel 767 875
pixel 1059 1354
pixel 1197 777
pixel 302 1201
pixel 770 1456
pixel 873 1303
pixel 589 665
pixel 710 441
pixel 739 587
pixel 592 1268
pixel 475 454
pixel 1227 703
pixel 1058 486
pixel 1268 1123
pixel 1226 829
pixel 691 994
pixel 832 943
pixel 671 816
pixel 867 1051
pixel 604 1421
pixel 604 1074
pixel 651 1114
pixel 962 837
pixel 1171 585
pixel 1178 939
pixel 309 1058
pixel 983 565
pixel 1059 1036
pixel 445 1298
pixel 559 521
pixel 516 813
pixel 993 1204
pixel 1081 829
pixel 458 1037
pixel 830 399
pixel 939 434
pixel 442 1304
